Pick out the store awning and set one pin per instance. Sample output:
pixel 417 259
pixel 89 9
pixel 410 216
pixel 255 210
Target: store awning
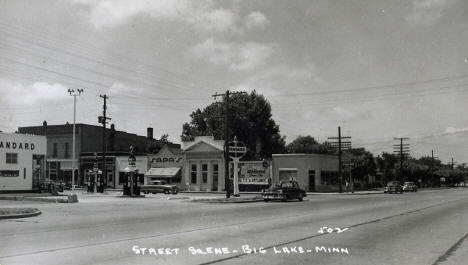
pixel 67 164
pixel 164 172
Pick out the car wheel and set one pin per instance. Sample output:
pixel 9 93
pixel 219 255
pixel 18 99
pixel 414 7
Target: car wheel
pixel 266 200
pixel 166 191
pixel 300 198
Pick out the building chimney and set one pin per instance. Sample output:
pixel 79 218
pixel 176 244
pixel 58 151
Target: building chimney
pixel 149 133
pixel 44 127
pixel 111 139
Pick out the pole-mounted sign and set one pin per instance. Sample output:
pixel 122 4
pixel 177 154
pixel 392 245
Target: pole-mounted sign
pixel 95 164
pixel 131 158
pixel 236 151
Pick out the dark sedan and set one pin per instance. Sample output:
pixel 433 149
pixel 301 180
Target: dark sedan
pixel 284 191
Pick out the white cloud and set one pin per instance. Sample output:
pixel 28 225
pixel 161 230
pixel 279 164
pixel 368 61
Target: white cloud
pixel 256 19
pixel 14 93
pixel 237 56
pixel 452 130
pixel 426 12
pixel 202 15
pixel 284 79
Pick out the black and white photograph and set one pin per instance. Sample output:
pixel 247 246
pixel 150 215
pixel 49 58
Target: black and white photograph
pixel 233 132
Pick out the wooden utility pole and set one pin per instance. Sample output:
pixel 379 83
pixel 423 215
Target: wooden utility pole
pixel 226 136
pixel 340 145
pixel 402 150
pixel 103 120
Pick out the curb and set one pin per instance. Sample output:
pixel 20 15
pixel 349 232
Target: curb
pixel 22 215
pixel 40 199
pixel 227 201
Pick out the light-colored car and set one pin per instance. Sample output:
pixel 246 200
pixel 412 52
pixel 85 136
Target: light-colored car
pixel 410 186
pixel 393 187
pixel 159 186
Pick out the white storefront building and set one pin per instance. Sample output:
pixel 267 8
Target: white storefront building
pixel 22 161
pixel 204 164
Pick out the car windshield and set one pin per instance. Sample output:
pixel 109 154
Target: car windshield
pixel 287 184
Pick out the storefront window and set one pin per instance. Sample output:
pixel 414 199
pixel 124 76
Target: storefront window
pixel 55 150
pixel 67 153
pixel 329 178
pixel 193 174
pixel 205 173
pixel 215 176
pixel 11 158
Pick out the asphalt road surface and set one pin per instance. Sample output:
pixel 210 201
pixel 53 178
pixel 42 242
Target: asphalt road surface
pixel 427 227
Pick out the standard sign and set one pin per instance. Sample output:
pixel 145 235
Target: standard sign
pixel 236 149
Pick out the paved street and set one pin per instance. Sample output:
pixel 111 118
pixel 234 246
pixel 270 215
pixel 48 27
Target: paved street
pixel 427 227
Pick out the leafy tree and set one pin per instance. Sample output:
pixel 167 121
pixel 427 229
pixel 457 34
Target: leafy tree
pixel 154 146
pixel 386 164
pixel 308 145
pixel 250 120
pixel 363 163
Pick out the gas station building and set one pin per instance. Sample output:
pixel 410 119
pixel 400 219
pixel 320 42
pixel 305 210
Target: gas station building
pixel 22 161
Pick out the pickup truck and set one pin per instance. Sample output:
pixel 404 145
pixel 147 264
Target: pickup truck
pixel 159 186
pixel 284 191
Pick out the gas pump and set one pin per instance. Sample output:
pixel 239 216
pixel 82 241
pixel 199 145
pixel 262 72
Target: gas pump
pixel 126 184
pixel 100 183
pixel 93 178
pixel 90 180
pixel 131 184
pixel 136 184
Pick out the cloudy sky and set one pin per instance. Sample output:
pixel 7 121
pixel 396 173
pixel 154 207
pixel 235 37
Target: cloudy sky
pixel 379 69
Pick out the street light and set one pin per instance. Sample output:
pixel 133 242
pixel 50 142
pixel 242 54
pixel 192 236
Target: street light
pixel 74 94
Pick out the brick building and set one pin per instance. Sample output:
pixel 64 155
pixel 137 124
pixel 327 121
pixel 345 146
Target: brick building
pixel 89 141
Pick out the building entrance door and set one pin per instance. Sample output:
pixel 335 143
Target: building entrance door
pixel 38 171
pixel 215 177
pixel 311 180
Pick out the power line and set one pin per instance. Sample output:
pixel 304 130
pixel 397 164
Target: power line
pixel 45 35
pixel 461 87
pixel 99 73
pixel 106 63
pixel 353 90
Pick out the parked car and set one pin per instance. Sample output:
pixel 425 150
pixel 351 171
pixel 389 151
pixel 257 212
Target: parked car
pixel 284 191
pixel 50 186
pixel 159 186
pixel 393 187
pixel 410 186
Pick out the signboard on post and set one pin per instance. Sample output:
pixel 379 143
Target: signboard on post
pixel 253 173
pixel 236 151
